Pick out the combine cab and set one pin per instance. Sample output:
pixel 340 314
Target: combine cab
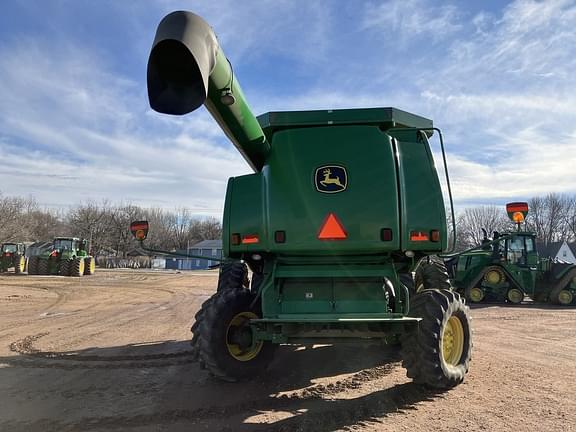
pixel 68 257
pixel 13 255
pixel 508 268
pixel 342 207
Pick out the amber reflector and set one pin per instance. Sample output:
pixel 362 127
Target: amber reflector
pixel 332 229
pixel 250 239
pixel 418 236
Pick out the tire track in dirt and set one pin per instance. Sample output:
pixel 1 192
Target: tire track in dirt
pixel 285 401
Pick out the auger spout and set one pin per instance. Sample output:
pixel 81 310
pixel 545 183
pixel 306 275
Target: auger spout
pixel 187 68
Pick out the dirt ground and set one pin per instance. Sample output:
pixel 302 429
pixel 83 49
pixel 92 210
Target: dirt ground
pixel 111 352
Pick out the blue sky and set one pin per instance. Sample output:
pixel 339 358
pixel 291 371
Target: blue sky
pixel 75 125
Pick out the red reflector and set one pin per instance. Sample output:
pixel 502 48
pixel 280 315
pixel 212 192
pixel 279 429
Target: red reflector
pixel 235 239
pixel 332 229
pixel 418 236
pixel 250 239
pixel 516 207
pixel 386 234
pixel 435 235
pixel 280 236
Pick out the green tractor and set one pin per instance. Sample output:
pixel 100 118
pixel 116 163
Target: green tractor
pixel 342 207
pixel 13 255
pixel 67 257
pixel 508 268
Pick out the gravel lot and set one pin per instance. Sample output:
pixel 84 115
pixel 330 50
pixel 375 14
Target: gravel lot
pixel 111 352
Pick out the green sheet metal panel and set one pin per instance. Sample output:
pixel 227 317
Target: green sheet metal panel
pixel 368 203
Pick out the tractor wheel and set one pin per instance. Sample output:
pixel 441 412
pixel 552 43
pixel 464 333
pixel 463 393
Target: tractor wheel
pixel 564 297
pixel 226 343
pixel 494 276
pixel 514 296
pixel 438 354
pixel 43 267
pixel 196 331
pixel 65 266
pixel 475 294
pixel 431 274
pixel 233 275
pixel 77 267
pixel 89 266
pixel 407 280
pixel 19 264
pixel 33 265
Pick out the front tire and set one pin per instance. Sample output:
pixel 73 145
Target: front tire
pixel 224 339
pixel 19 264
pixel 89 266
pixel 77 267
pixel 439 353
pixel 431 274
pixel 233 275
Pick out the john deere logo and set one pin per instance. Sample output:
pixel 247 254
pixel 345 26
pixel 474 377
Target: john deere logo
pixel 331 179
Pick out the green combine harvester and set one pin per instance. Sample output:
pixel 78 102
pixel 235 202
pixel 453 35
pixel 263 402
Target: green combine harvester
pixel 67 257
pixel 13 255
pixel 508 268
pixel 342 207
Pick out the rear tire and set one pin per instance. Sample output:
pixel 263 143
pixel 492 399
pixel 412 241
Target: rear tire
pixel 43 267
pixel 225 341
pixel 65 266
pixel 33 265
pixel 439 353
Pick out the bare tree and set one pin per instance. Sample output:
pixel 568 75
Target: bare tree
pixel 472 220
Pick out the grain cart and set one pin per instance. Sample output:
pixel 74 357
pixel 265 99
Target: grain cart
pixel 341 206
pixel 67 257
pixel 13 255
pixel 508 268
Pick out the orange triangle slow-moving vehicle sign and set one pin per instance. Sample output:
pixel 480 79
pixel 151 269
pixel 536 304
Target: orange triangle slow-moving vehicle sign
pixel 332 229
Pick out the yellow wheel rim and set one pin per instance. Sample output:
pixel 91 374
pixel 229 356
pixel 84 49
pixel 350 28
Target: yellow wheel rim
pixel 515 295
pixel 22 264
pixel 453 341
pixel 493 277
pixel 81 267
pixel 476 294
pixel 92 265
pixel 565 297
pixel 235 350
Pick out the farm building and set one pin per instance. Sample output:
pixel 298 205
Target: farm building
pixel 560 251
pixel 208 248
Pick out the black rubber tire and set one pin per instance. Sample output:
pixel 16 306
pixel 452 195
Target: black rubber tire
pixel 33 265
pixel 408 281
pixel 431 274
pixel 422 350
pixel 65 266
pixel 212 329
pixel 88 263
pixel 77 267
pixel 233 275
pixel 43 266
